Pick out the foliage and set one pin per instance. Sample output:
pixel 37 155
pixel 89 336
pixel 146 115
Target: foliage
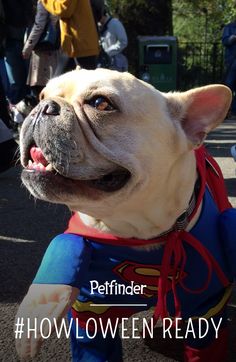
pixel 142 17
pixel 193 21
pixel 202 20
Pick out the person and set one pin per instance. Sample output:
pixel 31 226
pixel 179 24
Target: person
pixel 114 40
pixel 4 110
pixel 79 36
pixel 229 42
pixel 233 152
pixel 98 7
pixel 8 146
pixel 42 62
pixel 4 82
pixel 18 15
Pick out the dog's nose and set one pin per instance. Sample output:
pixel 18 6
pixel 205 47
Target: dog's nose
pixel 51 108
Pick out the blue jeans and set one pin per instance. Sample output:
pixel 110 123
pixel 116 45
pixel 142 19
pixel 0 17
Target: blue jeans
pixel 230 81
pixel 17 70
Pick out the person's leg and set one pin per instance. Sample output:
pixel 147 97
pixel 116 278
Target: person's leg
pixel 87 62
pixel 8 148
pixel 230 81
pixel 4 77
pixel 119 62
pixel 65 64
pixel 4 112
pixel 17 69
pixel 233 152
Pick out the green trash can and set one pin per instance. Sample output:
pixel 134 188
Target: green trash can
pixel 158 61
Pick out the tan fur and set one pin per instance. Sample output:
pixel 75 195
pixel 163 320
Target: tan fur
pixel 149 133
pixel 152 135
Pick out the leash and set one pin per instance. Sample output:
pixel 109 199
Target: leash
pixel 174 256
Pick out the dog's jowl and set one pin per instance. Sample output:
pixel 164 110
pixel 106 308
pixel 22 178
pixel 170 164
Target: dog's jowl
pixel 151 224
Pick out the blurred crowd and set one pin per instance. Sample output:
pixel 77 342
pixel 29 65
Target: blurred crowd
pixel 43 39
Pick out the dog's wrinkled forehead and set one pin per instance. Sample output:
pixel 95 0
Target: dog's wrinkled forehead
pixel 79 82
pixel 122 87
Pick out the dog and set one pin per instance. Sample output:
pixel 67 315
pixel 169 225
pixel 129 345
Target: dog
pixel 128 161
pixel 21 110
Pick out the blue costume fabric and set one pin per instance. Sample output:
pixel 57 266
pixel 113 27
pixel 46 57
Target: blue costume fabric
pixel 75 260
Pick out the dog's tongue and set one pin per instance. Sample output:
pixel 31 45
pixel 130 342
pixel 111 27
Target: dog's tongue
pixel 37 156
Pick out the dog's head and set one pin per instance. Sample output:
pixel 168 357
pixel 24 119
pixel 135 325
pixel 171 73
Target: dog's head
pixel 104 142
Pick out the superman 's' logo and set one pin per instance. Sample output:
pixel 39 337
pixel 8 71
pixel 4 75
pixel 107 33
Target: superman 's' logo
pixel 144 274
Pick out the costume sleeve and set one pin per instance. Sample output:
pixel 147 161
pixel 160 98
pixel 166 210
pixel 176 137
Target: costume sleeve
pixel 118 31
pixel 66 261
pixel 60 8
pixel 228 235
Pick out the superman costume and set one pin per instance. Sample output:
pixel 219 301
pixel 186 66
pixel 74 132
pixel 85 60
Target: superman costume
pixel 189 276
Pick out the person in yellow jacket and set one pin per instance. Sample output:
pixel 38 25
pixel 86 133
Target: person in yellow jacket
pixel 79 36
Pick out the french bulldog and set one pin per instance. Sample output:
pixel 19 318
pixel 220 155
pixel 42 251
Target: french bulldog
pixel 121 155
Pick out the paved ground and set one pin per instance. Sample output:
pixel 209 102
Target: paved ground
pixel 26 227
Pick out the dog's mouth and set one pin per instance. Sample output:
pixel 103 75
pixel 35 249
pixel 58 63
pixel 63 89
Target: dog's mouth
pixel 39 166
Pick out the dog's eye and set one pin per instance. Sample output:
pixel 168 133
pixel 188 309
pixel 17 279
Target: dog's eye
pixel 101 104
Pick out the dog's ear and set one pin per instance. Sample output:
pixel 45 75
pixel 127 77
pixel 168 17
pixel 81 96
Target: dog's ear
pixel 200 110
